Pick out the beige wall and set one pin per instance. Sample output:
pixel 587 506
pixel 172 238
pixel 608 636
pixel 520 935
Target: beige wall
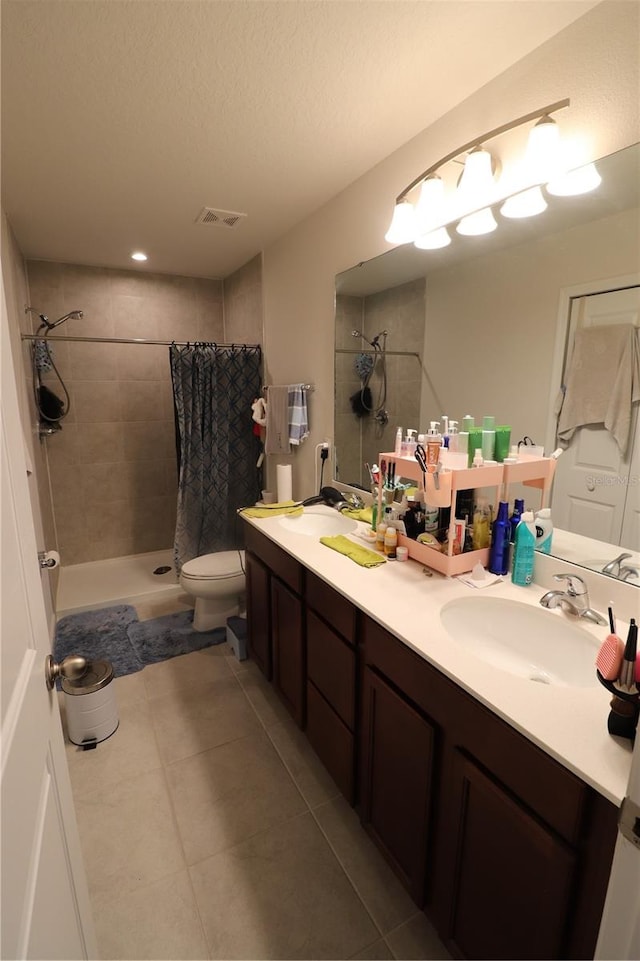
pixel 595 62
pixel 242 293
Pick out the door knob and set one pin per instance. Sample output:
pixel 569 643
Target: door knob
pixel 72 666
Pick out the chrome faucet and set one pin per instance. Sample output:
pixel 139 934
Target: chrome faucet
pixel 617 569
pixel 575 600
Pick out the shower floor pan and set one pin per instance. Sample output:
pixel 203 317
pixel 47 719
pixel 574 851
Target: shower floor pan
pixel 117 580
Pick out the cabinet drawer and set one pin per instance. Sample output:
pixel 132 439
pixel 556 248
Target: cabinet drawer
pixel 331 665
pixel 278 561
pixel 333 607
pixel 332 741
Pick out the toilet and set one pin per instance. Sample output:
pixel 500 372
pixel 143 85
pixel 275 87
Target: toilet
pixel 217 582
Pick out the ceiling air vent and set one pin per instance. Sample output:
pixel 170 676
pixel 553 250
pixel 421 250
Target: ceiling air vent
pixel 219 218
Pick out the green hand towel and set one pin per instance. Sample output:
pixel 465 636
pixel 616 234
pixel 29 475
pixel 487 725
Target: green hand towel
pixel 271 510
pixel 361 555
pixel 366 514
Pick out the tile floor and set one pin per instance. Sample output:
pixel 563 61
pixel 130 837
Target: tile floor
pixel 211 830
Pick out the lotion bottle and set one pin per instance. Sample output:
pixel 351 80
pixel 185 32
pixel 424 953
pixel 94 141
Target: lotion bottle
pixel 544 530
pixel 524 550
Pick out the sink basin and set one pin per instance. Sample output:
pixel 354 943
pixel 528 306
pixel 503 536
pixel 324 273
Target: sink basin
pixel 525 641
pixel 322 522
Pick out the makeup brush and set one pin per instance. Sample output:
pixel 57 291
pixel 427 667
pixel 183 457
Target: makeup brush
pixel 628 672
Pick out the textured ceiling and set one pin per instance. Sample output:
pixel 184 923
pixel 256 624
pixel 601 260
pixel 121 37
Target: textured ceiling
pixel 121 119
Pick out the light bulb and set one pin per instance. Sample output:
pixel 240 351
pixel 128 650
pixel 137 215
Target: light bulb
pixel 138 255
pixel 482 222
pixel 433 240
pixel 528 203
pixel 476 183
pixel 575 182
pixel 430 204
pixel 543 150
pixel 402 229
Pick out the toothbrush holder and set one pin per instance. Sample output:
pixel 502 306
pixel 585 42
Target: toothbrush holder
pixel 624 713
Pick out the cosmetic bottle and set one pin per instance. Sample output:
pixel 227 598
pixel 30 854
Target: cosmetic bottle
pixel 488 438
pixel 524 550
pixel 381 529
pixel 481 532
pixel 410 443
pixel 433 447
pixel 398 447
pixel 463 442
pixel 445 430
pixel 431 516
pixel 468 422
pixel 544 530
pixel 503 439
pixel 390 541
pixel 499 553
pixel 516 514
pixel 478 459
pixel 453 436
pixel 475 442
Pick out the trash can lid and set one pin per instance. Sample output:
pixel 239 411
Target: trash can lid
pixel 97 676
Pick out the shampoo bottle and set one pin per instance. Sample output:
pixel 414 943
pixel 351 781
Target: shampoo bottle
pixel 544 530
pixel 523 550
pixel 499 553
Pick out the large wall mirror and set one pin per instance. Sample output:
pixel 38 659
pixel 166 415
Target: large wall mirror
pixel 485 326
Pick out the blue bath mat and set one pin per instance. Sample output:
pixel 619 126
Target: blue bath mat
pixel 99 635
pixel 163 637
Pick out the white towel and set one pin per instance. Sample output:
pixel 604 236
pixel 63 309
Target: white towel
pixel 602 382
pixel 277 427
pixel 298 420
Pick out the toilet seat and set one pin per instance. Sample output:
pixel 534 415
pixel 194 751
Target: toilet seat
pixel 211 567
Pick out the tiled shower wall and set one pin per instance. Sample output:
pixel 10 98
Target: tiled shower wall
pixel 112 467
pixel 401 311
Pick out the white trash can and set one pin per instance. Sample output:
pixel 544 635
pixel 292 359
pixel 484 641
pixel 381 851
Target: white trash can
pixel 90 702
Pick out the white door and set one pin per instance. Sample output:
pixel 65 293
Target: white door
pixel 44 904
pixel 594 492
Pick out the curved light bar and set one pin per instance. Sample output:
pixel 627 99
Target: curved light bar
pixel 575 182
pixel 528 203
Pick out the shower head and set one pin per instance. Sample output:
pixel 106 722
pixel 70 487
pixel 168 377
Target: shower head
pixel 75 314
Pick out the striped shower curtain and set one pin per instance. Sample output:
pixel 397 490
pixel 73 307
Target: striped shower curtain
pixel 213 389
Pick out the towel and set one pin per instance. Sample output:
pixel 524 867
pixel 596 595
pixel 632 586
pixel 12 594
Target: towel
pixel 277 439
pixel 366 514
pixel 361 555
pixel 602 382
pixel 298 421
pixel 271 510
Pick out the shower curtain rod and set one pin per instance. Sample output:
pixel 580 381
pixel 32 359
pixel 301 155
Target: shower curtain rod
pixel 133 340
pixel 395 353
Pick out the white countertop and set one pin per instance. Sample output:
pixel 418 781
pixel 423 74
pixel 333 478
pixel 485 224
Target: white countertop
pixel 568 723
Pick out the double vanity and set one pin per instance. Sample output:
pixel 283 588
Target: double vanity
pixel 466 726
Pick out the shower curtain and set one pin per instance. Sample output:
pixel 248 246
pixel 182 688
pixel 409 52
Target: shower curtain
pixel 213 389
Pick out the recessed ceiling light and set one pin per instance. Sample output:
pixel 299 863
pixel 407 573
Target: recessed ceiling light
pixel 138 255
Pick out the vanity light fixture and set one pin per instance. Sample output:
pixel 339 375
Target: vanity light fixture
pixel 470 201
pixel 138 255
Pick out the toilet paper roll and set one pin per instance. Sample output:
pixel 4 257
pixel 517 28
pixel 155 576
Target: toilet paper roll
pixel 51 559
pixel 284 482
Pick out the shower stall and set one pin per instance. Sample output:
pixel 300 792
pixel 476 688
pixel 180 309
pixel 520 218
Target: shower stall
pixel 108 479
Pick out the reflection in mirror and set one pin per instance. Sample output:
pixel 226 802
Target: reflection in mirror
pixel 487 326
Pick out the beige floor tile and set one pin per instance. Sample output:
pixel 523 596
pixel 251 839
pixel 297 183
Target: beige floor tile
pixel 223 796
pixel 158 921
pixel 383 895
pixel 263 697
pixel 131 750
pixel 185 672
pixel 310 775
pixel 130 688
pixel 378 951
pixel 129 836
pixel 417 939
pixel 281 894
pixel 187 721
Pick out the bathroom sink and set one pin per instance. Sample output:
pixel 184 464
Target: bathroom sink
pixel 318 522
pixel 522 640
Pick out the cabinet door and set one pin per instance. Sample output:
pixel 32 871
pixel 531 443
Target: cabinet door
pixel 258 613
pixel 288 649
pixel 397 763
pixel 508 881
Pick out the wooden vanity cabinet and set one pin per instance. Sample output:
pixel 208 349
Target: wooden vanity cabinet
pixel 275 622
pixel 331 622
pixel 511 852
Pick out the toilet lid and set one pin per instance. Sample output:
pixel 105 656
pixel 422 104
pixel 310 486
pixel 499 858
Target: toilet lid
pixel 213 566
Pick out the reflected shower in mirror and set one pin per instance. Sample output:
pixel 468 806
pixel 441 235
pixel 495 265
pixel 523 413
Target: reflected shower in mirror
pixel 485 326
